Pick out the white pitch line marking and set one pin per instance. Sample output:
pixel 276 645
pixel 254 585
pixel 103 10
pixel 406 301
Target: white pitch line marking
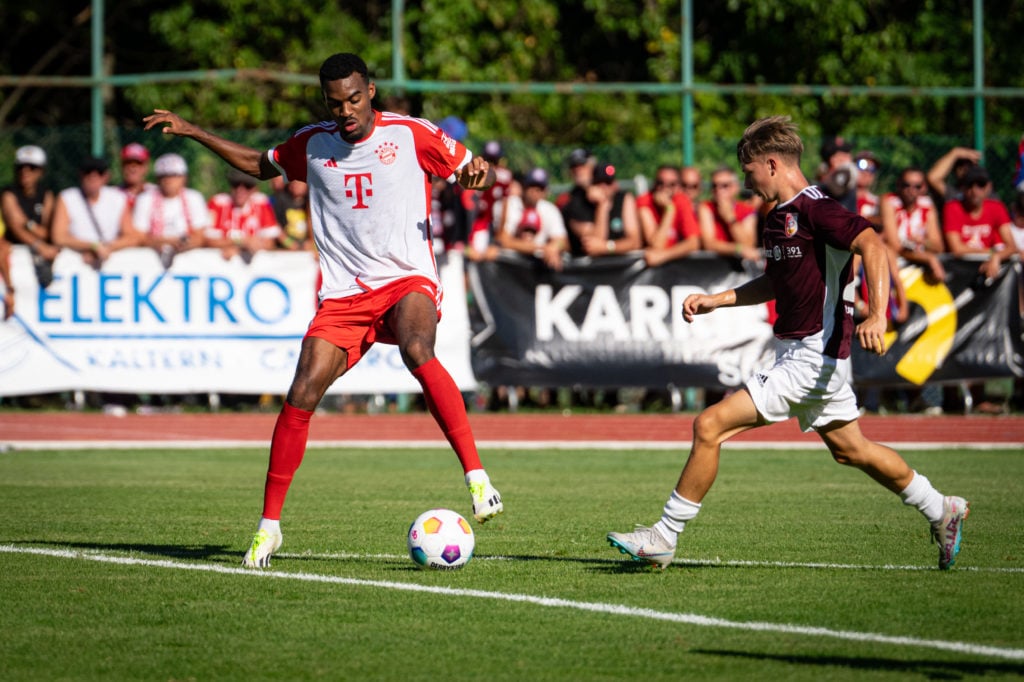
pixel 595 607
pixel 697 563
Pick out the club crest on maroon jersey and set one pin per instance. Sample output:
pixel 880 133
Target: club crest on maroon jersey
pixel 790 224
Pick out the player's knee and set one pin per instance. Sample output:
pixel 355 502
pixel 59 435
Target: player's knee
pixel 707 427
pixel 416 352
pixel 850 456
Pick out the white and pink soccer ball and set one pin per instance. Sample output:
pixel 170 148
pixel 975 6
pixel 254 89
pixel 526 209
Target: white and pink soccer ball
pixel 441 539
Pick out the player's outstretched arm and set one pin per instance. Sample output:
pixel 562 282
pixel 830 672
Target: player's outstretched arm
pixel 757 290
pixel 245 159
pixel 701 304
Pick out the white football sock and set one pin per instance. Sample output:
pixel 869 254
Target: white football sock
pixel 270 525
pixel 924 497
pixel 678 510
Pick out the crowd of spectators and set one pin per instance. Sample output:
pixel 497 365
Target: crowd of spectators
pixel 948 208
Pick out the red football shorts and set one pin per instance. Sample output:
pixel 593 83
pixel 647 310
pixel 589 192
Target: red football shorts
pixel 355 323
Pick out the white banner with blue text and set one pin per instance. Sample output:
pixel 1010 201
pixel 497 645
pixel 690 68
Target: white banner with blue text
pixel 205 324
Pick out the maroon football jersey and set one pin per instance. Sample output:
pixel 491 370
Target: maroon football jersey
pixel 807 248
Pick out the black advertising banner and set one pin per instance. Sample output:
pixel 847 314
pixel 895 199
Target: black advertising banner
pixel 613 322
pixel 960 329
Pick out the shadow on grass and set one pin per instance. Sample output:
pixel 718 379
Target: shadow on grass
pixel 220 553
pixel 932 670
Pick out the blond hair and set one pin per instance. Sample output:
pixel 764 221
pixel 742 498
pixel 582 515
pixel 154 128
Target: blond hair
pixel 772 135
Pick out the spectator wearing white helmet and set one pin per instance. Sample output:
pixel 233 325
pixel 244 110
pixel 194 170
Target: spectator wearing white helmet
pixel 172 217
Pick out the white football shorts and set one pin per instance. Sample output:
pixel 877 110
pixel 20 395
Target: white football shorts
pixel 806 384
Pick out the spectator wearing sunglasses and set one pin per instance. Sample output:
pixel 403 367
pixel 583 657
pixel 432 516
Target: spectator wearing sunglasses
pixel 243 219
pixel 728 226
pixel 978 223
pixel 667 219
pixel 910 224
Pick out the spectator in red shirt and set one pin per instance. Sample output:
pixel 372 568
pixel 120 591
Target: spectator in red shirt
pixel 977 223
pixel 728 226
pixel 667 219
pixel 243 221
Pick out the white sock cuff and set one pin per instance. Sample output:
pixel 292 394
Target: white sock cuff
pixel 916 490
pixel 477 476
pixel 680 503
pixel 271 525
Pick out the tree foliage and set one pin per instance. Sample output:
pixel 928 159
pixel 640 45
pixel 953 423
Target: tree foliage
pixel 847 42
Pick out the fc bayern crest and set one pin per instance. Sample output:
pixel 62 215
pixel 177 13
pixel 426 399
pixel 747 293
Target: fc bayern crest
pixel 790 224
pixel 387 153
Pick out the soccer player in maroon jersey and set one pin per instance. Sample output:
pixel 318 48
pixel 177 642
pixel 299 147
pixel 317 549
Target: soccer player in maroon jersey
pixel 809 240
pixel 369 183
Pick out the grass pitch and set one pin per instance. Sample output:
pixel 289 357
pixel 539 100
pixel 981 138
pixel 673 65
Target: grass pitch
pixel 123 564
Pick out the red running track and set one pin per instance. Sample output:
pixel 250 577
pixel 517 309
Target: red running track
pixel 526 428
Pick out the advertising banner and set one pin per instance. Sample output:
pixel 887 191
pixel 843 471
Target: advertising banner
pixel 206 324
pixel 611 322
pixel 615 322
pixel 960 329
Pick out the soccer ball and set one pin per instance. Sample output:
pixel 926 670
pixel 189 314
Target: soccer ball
pixel 441 539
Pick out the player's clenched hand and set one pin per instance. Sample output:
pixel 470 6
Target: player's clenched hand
pixel 172 123
pixel 476 174
pixel 697 304
pixel 871 334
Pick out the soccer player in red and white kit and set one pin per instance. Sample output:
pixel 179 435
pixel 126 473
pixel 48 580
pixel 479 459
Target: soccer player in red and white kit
pixel 369 190
pixel 809 240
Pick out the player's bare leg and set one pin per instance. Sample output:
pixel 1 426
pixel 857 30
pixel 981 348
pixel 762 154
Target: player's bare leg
pixel 849 446
pixel 657 544
pixel 716 424
pixel 945 514
pixel 414 322
pixel 320 364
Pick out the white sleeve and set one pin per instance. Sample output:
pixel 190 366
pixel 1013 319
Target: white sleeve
pixel 551 221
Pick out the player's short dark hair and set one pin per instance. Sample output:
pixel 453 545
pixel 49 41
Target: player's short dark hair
pixel 772 135
pixel 342 65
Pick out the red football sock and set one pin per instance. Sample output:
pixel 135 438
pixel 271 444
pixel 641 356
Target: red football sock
pixel 287 448
pixel 445 403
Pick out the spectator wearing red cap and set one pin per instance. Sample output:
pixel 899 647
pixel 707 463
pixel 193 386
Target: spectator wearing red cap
pixel 604 220
pixel 134 170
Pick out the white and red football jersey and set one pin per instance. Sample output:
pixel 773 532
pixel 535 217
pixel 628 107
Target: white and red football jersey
pixel 255 218
pixel 370 200
pixel 912 222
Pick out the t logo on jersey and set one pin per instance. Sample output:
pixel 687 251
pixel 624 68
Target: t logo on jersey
pixel 360 187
